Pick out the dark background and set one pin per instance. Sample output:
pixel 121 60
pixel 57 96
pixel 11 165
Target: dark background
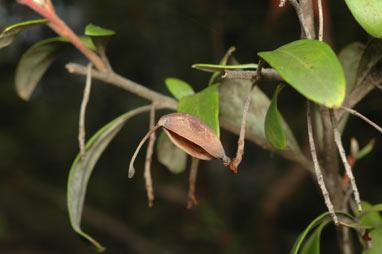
pixel 246 213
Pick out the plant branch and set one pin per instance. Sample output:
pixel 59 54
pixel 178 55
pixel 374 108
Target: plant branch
pixel 341 150
pixel 300 15
pixel 367 120
pixel 46 10
pixel 240 143
pixel 192 181
pixel 85 99
pixel 317 169
pixel 266 74
pixel 149 155
pixel 320 21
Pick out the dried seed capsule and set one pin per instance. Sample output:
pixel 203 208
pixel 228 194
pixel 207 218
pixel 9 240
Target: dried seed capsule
pixel 191 135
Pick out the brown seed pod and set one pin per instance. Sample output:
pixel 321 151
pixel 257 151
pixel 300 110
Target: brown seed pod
pixel 191 135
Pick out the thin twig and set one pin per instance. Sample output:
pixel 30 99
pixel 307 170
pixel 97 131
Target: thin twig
pixel 317 169
pixel 149 155
pixel 301 18
pixel 282 3
pixel 240 143
pixel 341 150
pixel 367 120
pixel 85 99
pixel 266 74
pixel 192 180
pixel 320 21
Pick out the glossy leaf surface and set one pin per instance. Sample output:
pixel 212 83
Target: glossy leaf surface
pixel 81 171
pixel 274 130
pixel 178 88
pixel 368 15
pixel 204 105
pixel 312 245
pixel 170 155
pixel 312 68
pixel 10 33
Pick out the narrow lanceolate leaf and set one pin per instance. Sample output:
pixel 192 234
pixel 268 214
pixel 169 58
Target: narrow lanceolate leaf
pixel 204 105
pixel 317 221
pixel 366 150
pixel 81 171
pixel 178 88
pixel 93 30
pixel 312 68
pixel 170 155
pixel 370 60
pixel 274 130
pixel 368 15
pixel 10 33
pixel 220 67
pixel 36 61
pixel 312 245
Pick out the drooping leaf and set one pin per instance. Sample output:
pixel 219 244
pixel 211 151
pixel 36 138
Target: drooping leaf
pixel 10 33
pixel 81 171
pixel 317 221
pixel 371 56
pixel 35 62
pixel 312 68
pixel 220 67
pixel 232 95
pixel 312 245
pixel 368 15
pixel 178 88
pixel 273 127
pixel 204 105
pixel 223 61
pixel 350 57
pixel 93 30
pixel 170 155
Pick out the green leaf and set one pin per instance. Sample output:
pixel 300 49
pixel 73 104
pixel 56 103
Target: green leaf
pixel 370 60
pixel 371 214
pixel 81 171
pixel 368 15
pixel 366 149
pixel 204 105
pixel 178 88
pixel 93 30
pixel 376 238
pixel 10 33
pixel 274 130
pixel 350 57
pixel 312 68
pixel 220 67
pixel 317 221
pixel 312 245
pixel 223 61
pixel 232 95
pixel 170 155
pixel 35 62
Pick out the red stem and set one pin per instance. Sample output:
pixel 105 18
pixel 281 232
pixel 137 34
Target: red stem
pixel 46 10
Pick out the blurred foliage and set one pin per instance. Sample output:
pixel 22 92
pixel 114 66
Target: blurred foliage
pixel 155 40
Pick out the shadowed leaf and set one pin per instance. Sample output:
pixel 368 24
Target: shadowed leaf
pixel 368 15
pixel 36 61
pixel 273 127
pixel 314 61
pixel 10 33
pixel 170 155
pixel 178 88
pixel 81 171
pixel 312 245
pixel 204 105
pixel 372 56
